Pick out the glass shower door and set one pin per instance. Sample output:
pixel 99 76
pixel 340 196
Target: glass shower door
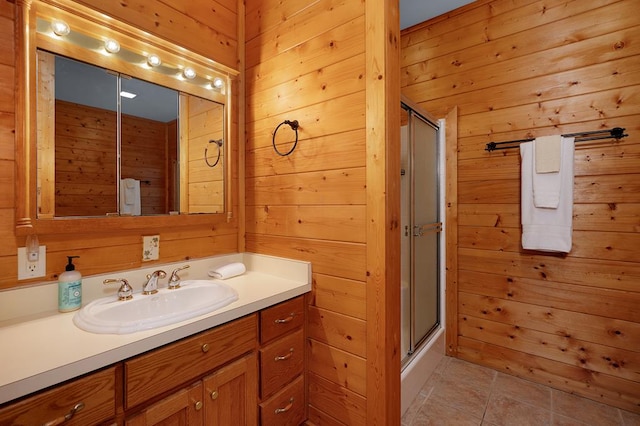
pixel 421 228
pixel 426 230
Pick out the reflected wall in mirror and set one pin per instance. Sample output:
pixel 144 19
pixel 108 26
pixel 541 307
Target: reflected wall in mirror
pixel 90 152
pixel 107 143
pixel 202 148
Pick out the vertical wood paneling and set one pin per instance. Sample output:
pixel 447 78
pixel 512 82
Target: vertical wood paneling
pixel 118 249
pixel 564 320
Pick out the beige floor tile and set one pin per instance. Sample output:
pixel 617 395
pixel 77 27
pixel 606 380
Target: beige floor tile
pixel 473 374
pixel 415 406
pixel 560 420
pixel 629 418
pixel 505 411
pixel 584 410
pixel 522 390
pixel 461 395
pixel 433 413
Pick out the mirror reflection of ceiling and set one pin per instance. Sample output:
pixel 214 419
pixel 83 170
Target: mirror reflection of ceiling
pixel 413 12
pixel 90 85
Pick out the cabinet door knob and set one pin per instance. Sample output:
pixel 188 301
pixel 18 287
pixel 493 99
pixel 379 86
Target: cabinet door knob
pixel 214 395
pixel 285 320
pixel 284 357
pixel 205 348
pixel 198 405
pixel 286 408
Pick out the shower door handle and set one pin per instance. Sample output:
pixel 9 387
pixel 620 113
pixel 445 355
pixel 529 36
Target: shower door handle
pixel 420 230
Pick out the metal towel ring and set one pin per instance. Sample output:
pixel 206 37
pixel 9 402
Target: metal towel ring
pixel 219 145
pixel 294 126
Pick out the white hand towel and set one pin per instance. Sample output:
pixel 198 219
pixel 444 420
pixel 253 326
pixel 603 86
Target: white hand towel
pixel 228 271
pixel 130 197
pixel 543 228
pixel 548 153
pixel 546 174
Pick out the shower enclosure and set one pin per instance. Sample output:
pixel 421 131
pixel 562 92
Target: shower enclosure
pixel 421 230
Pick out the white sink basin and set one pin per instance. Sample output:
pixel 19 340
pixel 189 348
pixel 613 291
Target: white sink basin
pixel 194 298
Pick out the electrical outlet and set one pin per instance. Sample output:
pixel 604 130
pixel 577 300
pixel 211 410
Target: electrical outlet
pixel 32 269
pixel 150 247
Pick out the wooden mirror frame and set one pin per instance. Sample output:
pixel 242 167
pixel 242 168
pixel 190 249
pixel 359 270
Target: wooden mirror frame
pixel 26 169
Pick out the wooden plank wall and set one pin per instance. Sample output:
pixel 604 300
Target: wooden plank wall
pixel 306 62
pixel 119 249
pixel 144 157
pixel 205 193
pixel 85 160
pixel 85 167
pixel 527 68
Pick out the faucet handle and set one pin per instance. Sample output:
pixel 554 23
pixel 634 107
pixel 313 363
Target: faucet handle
pixel 174 281
pixel 125 292
pixel 159 274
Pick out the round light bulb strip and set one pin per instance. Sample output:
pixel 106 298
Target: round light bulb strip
pixel 112 46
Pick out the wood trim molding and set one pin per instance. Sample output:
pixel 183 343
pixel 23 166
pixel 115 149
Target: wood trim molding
pixel 451 213
pixel 25 131
pixel 26 215
pixel 383 211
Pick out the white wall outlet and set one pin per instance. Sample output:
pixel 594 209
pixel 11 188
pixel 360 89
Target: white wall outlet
pixel 150 247
pixel 32 269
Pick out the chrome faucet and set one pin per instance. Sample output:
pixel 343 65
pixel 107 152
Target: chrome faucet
pixel 174 281
pixel 151 286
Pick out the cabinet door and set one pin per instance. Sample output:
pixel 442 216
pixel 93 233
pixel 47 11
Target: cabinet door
pixel 231 394
pixel 85 401
pixel 182 408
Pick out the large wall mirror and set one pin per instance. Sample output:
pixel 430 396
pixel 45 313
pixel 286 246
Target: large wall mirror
pixel 122 124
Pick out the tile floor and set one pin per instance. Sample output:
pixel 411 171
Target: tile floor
pixel 462 393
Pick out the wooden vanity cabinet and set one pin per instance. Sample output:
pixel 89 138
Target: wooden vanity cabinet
pixel 220 384
pixel 89 400
pixel 245 372
pixel 226 397
pixel 282 396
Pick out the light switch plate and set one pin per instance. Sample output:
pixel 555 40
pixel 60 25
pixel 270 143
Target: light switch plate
pixel 150 247
pixel 32 269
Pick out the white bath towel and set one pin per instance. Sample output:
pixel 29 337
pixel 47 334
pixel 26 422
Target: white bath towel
pixel 130 197
pixel 546 174
pixel 228 271
pixel 547 229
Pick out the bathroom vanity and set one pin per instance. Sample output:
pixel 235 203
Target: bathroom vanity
pixel 242 364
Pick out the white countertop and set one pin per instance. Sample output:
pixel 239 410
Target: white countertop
pixel 47 348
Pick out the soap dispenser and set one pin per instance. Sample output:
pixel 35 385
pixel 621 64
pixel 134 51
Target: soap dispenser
pixel 70 288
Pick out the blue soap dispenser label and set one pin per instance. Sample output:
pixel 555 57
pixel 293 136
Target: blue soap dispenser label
pixel 69 296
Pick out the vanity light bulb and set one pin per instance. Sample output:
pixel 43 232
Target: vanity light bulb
pixel 153 60
pixel 218 83
pixel 111 46
pixel 189 73
pixel 60 28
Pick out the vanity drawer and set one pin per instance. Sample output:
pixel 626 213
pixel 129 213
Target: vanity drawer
pixel 95 392
pixel 286 407
pixel 281 318
pixel 172 365
pixel 280 362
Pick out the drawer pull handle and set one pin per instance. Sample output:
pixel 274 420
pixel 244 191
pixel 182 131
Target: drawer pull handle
pixel 198 405
pixel 284 357
pixel 214 395
pixel 285 320
pixel 79 406
pixel 205 348
pixel 285 409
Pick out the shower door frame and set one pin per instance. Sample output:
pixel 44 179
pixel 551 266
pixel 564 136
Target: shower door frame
pixel 415 345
